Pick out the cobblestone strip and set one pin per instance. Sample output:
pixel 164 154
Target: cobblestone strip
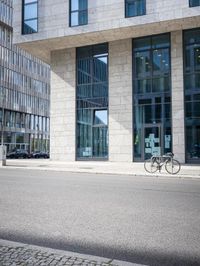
pixel 29 256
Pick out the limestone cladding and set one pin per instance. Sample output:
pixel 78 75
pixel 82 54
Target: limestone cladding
pixel 106 22
pixel 120 101
pixel 178 127
pixel 63 118
pixel 62 127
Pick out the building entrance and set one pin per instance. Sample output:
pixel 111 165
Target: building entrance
pixel 152 96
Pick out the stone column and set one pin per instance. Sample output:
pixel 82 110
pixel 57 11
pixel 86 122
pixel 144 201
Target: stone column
pixel 120 101
pixel 178 128
pixel 62 122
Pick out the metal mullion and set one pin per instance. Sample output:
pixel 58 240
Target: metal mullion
pixel 29 19
pixel 28 4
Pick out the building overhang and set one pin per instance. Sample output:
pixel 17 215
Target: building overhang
pixel 42 48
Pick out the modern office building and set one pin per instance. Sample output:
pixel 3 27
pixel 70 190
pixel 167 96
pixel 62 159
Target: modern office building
pixel 125 75
pixel 24 92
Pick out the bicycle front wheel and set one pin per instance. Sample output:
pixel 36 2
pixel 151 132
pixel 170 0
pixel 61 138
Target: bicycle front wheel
pixel 150 166
pixel 172 166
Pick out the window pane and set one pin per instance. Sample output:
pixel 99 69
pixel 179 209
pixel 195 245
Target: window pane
pixel 197 57
pixel 142 44
pixel 161 84
pixel 194 3
pixel 192 36
pixel 142 61
pixel 160 41
pixel 79 12
pixel 74 5
pixel 30 11
pixel 82 17
pixel 101 117
pixel 135 8
pixel 84 71
pixel 30 26
pixel 161 61
pixel 82 4
pixel 74 19
pixel 143 86
pixel 100 69
pixel 92 101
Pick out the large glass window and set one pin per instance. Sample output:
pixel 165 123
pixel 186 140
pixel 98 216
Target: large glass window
pixel 193 3
pixel 92 101
pixel 152 96
pixel 30 16
pixel 192 93
pixel 78 12
pixel 135 8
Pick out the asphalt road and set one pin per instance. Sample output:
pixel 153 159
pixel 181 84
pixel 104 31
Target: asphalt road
pixel 147 221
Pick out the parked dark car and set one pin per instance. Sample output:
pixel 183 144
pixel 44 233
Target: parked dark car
pixel 16 154
pixel 39 154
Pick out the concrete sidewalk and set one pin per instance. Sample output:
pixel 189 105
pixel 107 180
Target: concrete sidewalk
pixel 190 171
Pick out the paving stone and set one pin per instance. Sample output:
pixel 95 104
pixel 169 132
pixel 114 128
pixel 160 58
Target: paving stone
pixel 26 256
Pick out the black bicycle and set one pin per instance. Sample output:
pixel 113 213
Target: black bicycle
pixel 156 163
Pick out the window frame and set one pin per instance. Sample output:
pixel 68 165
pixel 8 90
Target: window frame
pixel 190 4
pixel 125 13
pixel 77 11
pixel 32 19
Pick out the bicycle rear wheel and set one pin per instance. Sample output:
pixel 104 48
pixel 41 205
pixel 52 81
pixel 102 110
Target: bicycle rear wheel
pixel 151 166
pixel 172 166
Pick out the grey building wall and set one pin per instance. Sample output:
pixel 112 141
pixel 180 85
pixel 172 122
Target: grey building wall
pixel 62 129
pixel 178 125
pixel 120 101
pixel 105 17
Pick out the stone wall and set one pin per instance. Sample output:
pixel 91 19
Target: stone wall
pixel 120 101
pixel 106 22
pixel 62 123
pixel 178 127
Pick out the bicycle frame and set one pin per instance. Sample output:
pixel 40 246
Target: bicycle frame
pixel 161 160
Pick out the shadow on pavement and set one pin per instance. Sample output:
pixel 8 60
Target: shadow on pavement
pixel 144 257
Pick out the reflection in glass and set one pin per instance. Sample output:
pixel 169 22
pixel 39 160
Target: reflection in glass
pixel 92 102
pixel 152 95
pixel 30 11
pixel 30 17
pixel 78 12
pixel 101 117
pixel 194 3
pixel 135 8
pixel 192 93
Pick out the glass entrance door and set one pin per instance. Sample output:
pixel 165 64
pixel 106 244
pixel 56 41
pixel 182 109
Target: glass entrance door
pixel 152 141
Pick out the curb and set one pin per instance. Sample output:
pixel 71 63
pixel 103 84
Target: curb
pixel 93 171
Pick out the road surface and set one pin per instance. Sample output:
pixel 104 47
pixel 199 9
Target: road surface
pixel 143 220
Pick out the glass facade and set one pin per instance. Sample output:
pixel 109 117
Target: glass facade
pixel 192 93
pixel 6 12
pixel 152 96
pixel 92 102
pixel 30 16
pixel 193 3
pixel 135 8
pixel 78 12
pixel 24 93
